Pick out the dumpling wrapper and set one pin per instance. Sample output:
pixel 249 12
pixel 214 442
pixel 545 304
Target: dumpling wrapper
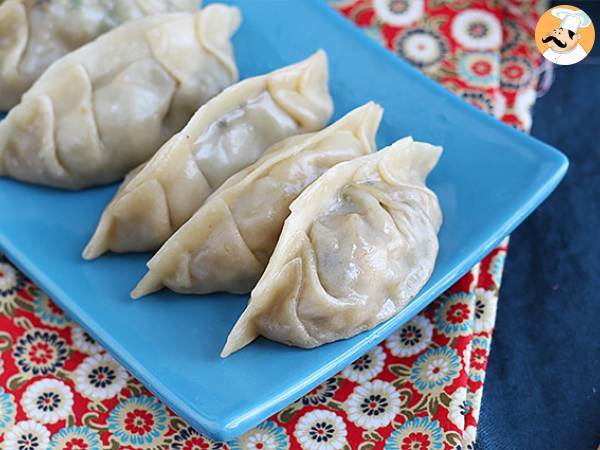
pixel 105 108
pixel 227 243
pixel 227 134
pixel 359 244
pixel 34 33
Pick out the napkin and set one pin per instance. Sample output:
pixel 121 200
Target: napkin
pixel 420 388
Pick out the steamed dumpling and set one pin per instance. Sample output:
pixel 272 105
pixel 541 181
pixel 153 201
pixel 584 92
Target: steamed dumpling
pixel 225 135
pixel 227 243
pixel 359 244
pixel 34 33
pixel 105 108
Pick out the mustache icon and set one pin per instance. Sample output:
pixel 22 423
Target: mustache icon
pixel 555 40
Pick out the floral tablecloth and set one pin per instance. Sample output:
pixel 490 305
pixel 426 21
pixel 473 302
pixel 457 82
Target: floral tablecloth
pixel 420 389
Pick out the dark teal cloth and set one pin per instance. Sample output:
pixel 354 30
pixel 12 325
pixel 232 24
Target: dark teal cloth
pixel 542 389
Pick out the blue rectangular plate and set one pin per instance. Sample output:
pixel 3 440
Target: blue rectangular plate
pixel 489 179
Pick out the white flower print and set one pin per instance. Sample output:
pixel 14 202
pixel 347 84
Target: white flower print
pixel 458 407
pixel 499 104
pixel 321 430
pixel 474 401
pixel 27 435
pixel 523 104
pixel 266 436
pixel 437 369
pixel 497 267
pixel 47 401
pixel 469 436
pixel 100 377
pixel 421 47
pixel 259 440
pixel 466 358
pixel 11 282
pixel 83 341
pixel 366 367
pixel 412 338
pixel 485 310
pixel 373 405
pixel 9 278
pixel 475 271
pixel 477 29
pixel 399 12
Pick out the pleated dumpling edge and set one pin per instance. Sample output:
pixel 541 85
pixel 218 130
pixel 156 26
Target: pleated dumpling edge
pixel 227 243
pixel 106 107
pixel 359 244
pixel 228 133
pixel 34 34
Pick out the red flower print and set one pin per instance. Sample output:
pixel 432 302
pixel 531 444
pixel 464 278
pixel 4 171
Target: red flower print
pixel 76 444
pixel 479 358
pixel 458 313
pixel 482 68
pixel 41 353
pixel 513 71
pixel 196 443
pixel 416 441
pixel 139 421
pixel 190 439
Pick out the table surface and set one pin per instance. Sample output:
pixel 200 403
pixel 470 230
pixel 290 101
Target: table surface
pixel 543 384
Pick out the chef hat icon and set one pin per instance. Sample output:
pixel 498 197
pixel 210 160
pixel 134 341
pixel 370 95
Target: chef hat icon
pixel 570 19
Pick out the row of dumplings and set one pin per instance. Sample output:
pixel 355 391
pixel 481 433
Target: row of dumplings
pixel 252 192
pixel 103 109
pixel 35 33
